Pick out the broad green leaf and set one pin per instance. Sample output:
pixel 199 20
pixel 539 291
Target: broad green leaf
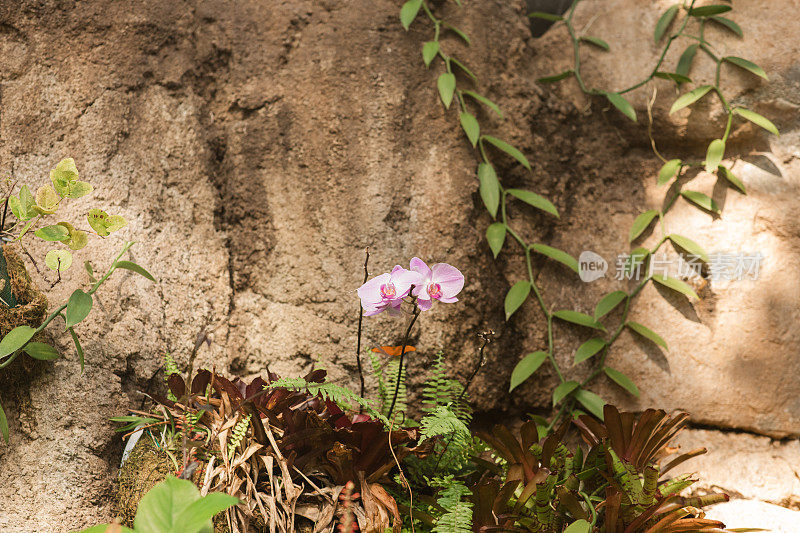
pixel 510 150
pixel 198 513
pixel 16 207
pixel 545 16
pixel 701 200
pixel 757 119
pixel 105 528
pixel 685 61
pixel 556 77
pixel 160 507
pixel 41 351
pixel 516 296
pixel 537 201
pixel 747 65
pixel 78 347
pixel 463 67
pixel 103 223
pixel 731 177
pixel 525 368
pixel 689 98
pixel 3 424
pixel 623 105
pixel 716 150
pixel 52 233
pixel 471 127
pixel 674 76
pixel 77 239
pixel 563 390
pixel 669 170
pixel 641 222
pixel 457 32
pixel 579 526
pixel 591 401
pixel 489 188
pixel 46 200
pixel 133 267
pixel 63 175
pixel 485 101
pixel 622 380
pixel 707 11
pixel 635 258
pixel 579 318
pixel 689 245
pixel 647 333
pixel 15 339
pixel 409 12
pixel 676 285
pixel 496 235
pixel 664 21
pixel 447 86
pixel 608 302
pixel 588 349
pixel 78 189
pixel 728 23
pixel 429 51
pixel 59 260
pixel 558 255
pixel 78 307
pixel 600 43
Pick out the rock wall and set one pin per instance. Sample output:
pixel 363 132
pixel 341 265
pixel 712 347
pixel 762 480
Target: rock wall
pixel 258 147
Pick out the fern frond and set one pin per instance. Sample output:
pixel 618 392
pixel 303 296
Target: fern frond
pixel 457 516
pixel 439 390
pixel 386 377
pixel 170 368
pixel 238 434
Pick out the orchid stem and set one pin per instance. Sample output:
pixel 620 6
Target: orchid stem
pixel 400 366
pixel 360 321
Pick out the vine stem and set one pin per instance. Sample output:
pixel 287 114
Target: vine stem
pixel 360 323
pixel 400 365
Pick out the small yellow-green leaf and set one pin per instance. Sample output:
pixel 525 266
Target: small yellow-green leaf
pixel 669 170
pixel 510 150
pixel 676 285
pixel 689 98
pixel 429 51
pixel 471 127
pixel 673 76
pixel 600 43
pixel 537 201
pixel 485 101
pixel 446 84
pixel 15 339
pixel 747 65
pixel 664 21
pixel 409 12
pixel 563 390
pixel 557 255
pixel 647 333
pixel 53 233
pixel 707 11
pixel 579 318
pixel 757 119
pixel 3 425
pixel 685 61
pixel 58 260
pixel 591 401
pixel 463 67
pixel 496 236
pixel 526 368
pixel 622 104
pixel 689 245
pixel 556 77
pixel 641 223
pixel 716 150
pixel 46 200
pixel 545 16
pixel 79 306
pixel 133 267
pixel 516 296
pixel 458 32
pixel 622 380
pixel 608 302
pixel 731 177
pixel 41 351
pixel 701 200
pixel 588 349
pixel 579 526
pixel 489 188
pixel 729 24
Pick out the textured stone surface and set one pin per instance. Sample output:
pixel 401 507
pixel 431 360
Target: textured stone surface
pixel 755 514
pixel 257 147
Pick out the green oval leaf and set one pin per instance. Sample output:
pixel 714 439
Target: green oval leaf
pixel 701 200
pixel 579 318
pixel 59 260
pixel 622 104
pixel 747 65
pixel 707 11
pixel 41 351
pixel 78 307
pixel 757 119
pixel 669 170
pixel 729 175
pixel 15 339
pixel 409 12
pixel 471 127
pixel 622 380
pixel 78 346
pixel 641 222
pixel 608 302
pixel 457 32
pixel 647 333
pixel 526 368
pixel 429 51
pixel 3 424
pixel 463 67
pixel 579 526
pixel 664 21
pixel 516 296
pixel 485 101
pixel 729 24
pixel 545 16
pixel 133 267
pixel 685 61
pixel 689 98
pixel 446 84
pixel 563 390
pixel 52 233
pixel 510 150
pixel 496 235
pixel 689 245
pixel 591 401
pixel 716 150
pixel 673 76
pixel 46 201
pixel 676 285
pixel 600 43
pixel 537 201
pixel 557 255
pixel 588 349
pixel 556 77
pixel 489 188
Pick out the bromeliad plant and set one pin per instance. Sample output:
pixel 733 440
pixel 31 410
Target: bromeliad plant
pixel 29 209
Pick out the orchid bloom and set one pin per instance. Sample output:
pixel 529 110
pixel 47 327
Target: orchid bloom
pixel 440 282
pixel 386 292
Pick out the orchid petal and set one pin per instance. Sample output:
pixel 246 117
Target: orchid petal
pixel 449 278
pixel 370 292
pixel 418 265
pixel 424 305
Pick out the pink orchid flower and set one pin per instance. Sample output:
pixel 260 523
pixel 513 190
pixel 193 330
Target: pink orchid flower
pixel 440 282
pixel 386 292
